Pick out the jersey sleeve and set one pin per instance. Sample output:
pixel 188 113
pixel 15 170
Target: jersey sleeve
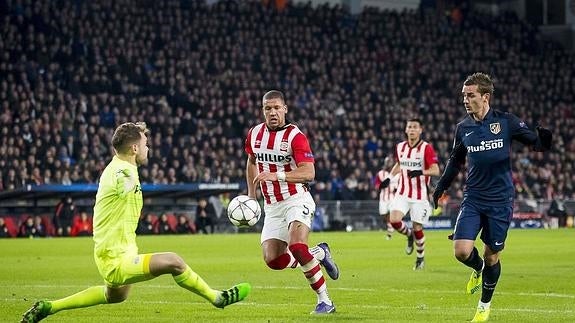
pixel 430 156
pixel 520 131
pixel 247 144
pixel 377 179
pixel 113 182
pixel 301 149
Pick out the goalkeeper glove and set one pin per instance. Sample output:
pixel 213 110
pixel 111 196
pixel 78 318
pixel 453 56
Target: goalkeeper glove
pixel 414 173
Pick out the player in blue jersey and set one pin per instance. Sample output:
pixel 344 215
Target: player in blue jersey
pixel 484 138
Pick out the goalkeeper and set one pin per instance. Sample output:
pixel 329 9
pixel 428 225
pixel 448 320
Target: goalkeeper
pixel 116 213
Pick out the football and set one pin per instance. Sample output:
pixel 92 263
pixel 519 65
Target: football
pixel 244 211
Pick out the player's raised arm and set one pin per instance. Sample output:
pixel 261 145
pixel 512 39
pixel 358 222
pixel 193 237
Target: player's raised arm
pixel 539 141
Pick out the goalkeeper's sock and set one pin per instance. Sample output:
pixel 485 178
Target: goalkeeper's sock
pixel 490 278
pixel 95 295
pixel 194 283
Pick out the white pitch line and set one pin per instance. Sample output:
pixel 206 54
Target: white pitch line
pixel 424 307
pixel 428 291
pixel 541 294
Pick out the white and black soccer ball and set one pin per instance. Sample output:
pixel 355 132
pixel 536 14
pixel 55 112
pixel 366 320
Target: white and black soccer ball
pixel 244 211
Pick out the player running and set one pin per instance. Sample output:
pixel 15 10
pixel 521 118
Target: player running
pixel 416 162
pixel 280 160
pixel 484 137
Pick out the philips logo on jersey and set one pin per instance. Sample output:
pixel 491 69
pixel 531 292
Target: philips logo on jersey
pixel 410 163
pixel 272 158
pixel 486 145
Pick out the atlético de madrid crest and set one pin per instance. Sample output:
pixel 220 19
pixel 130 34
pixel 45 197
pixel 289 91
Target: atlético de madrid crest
pixel 495 128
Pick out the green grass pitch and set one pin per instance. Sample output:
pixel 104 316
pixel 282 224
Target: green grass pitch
pixel 377 283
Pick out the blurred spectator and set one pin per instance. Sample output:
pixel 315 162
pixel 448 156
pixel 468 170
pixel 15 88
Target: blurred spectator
pixel 63 216
pixel 146 225
pixel 319 216
pixel 557 210
pixel 3 229
pixel 184 226
pixel 163 225
pixel 205 215
pixel 32 228
pixel 82 225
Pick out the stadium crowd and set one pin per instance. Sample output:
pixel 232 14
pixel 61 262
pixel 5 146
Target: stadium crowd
pixel 70 71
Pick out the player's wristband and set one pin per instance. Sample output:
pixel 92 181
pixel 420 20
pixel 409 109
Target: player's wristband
pixel 281 176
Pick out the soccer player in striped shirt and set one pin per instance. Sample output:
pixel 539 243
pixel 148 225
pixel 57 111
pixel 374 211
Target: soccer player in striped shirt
pixel 116 213
pixel 484 138
pixel 281 162
pixel 416 161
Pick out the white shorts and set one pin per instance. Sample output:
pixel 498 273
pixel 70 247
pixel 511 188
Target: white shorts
pixel 419 210
pixel 384 207
pixel 279 215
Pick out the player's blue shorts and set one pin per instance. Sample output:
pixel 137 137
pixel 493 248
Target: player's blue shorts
pixel 492 220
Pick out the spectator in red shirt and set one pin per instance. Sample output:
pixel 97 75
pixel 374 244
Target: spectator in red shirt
pixel 82 225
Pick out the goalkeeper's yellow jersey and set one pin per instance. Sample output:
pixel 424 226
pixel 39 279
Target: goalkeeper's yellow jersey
pixel 117 211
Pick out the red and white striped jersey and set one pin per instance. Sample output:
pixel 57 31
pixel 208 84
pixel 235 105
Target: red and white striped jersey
pixel 420 157
pixel 387 193
pixel 278 150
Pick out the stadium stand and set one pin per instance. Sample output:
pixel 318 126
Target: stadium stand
pixel 72 70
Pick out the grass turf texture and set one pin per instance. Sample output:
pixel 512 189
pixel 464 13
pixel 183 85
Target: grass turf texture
pixel 377 283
